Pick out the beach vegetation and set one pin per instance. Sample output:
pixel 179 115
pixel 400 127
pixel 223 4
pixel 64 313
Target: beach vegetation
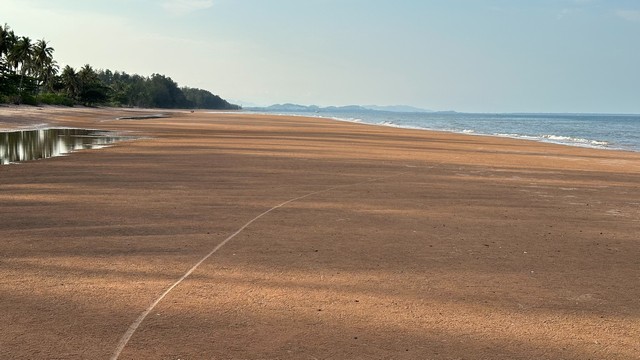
pixel 29 74
pixel 54 99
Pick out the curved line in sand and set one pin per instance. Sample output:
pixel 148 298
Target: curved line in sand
pixel 134 326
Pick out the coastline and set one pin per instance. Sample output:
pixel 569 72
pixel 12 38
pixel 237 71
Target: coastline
pixel 134 114
pixel 400 243
pixel 551 138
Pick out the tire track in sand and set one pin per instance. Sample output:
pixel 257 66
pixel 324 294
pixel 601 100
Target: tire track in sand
pixel 134 326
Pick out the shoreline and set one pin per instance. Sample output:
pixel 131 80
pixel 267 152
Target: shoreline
pixel 150 113
pixel 548 139
pixel 144 115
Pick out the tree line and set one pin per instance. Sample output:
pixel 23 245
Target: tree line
pixel 30 75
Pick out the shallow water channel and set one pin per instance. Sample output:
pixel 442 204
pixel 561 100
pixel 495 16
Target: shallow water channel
pixel 26 145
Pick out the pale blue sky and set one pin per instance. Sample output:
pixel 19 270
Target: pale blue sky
pixel 465 55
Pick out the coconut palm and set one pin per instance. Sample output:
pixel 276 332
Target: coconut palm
pixel 20 58
pixel 87 75
pixel 7 41
pixel 42 61
pixel 20 55
pixel 70 82
pixel 87 79
pixel 91 88
pixel 48 75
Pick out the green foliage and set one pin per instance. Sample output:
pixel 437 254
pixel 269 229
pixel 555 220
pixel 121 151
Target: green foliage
pixel 165 93
pixel 9 84
pixel 30 75
pixel 90 89
pixel 28 99
pixel 54 99
pixel 157 91
pixel 203 99
pixel 17 89
pixel 25 67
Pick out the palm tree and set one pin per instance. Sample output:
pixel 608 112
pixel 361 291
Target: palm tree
pixel 91 88
pixel 7 41
pixel 87 78
pixel 70 82
pixel 88 75
pixel 43 65
pixel 20 57
pixel 48 75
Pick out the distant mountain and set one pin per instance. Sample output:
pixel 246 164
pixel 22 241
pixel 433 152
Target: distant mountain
pixel 344 108
pixel 447 112
pixel 287 107
pixel 349 108
pixel 397 108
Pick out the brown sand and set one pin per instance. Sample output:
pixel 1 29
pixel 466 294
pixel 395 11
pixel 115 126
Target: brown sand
pixel 450 247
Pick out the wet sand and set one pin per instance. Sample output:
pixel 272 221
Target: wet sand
pixel 411 245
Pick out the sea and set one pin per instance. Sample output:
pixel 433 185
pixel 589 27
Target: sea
pixel 601 131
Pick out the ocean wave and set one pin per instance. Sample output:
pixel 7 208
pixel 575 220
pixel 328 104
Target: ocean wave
pixel 480 125
pixel 560 139
pixel 550 138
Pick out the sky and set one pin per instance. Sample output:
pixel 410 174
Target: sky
pixel 463 55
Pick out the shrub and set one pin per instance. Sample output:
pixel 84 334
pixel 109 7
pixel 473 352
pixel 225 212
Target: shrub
pixel 54 99
pixel 28 99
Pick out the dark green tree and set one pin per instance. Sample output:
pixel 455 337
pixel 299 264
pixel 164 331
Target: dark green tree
pixel 8 80
pixel 30 74
pixel 20 57
pixel 165 93
pixel 44 67
pixel 70 82
pixel 7 41
pixel 91 90
pixel 203 99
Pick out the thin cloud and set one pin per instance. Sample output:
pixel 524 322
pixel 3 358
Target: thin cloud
pixel 563 14
pixel 629 15
pixel 181 7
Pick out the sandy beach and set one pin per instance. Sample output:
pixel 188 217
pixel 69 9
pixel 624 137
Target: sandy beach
pixel 374 243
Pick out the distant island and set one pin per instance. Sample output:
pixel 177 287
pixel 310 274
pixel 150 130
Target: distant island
pixel 349 108
pixel 30 75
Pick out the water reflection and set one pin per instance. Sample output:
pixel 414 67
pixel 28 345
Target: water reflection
pixel 17 146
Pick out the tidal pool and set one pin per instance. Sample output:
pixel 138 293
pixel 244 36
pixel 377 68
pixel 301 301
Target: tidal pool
pixel 26 145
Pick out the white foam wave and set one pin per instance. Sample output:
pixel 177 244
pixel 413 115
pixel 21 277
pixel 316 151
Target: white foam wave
pixel 560 139
pixel 570 139
pixel 549 138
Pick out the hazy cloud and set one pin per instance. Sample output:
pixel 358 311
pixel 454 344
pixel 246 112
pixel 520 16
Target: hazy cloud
pixel 563 13
pixel 629 15
pixel 181 7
